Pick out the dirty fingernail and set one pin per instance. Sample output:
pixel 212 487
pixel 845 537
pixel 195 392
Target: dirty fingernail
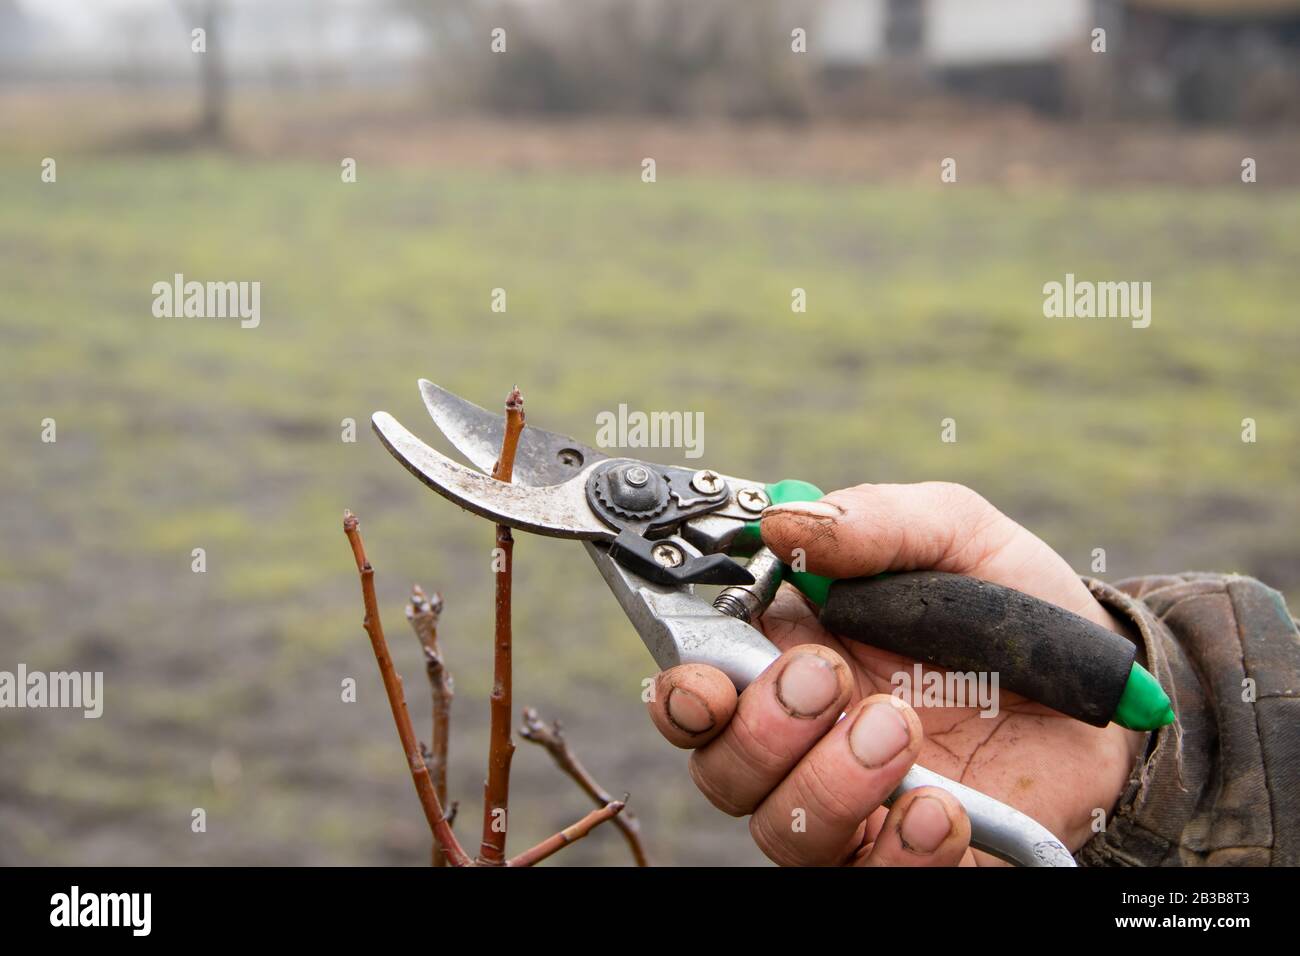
pixel 925 825
pixel 879 735
pixel 688 711
pixel 804 509
pixel 808 685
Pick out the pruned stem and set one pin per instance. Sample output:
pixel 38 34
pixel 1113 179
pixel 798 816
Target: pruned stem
pixel 397 701
pixel 423 613
pixel 551 737
pixel 496 789
pixel 504 469
pixel 570 834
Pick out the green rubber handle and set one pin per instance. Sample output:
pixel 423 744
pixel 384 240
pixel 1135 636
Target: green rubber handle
pixel 782 492
pixel 1143 706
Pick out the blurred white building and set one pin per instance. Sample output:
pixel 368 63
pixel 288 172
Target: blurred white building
pixel 954 32
pixel 275 41
pixel 363 37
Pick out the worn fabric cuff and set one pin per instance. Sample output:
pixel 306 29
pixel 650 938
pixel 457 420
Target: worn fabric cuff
pixel 1221 785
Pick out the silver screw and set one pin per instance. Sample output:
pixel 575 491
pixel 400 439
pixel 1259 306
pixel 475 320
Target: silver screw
pixel 667 555
pixel 707 482
pixel 636 476
pixel 752 499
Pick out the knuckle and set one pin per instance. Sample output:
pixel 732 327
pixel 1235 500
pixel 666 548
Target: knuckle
pixel 973 526
pixel 769 837
pixel 761 749
pixel 716 792
pixel 959 500
pixel 819 789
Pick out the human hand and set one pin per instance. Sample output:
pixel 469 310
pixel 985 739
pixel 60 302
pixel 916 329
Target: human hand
pixel 814 784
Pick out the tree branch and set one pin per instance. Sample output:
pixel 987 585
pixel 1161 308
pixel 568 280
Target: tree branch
pixel 551 737
pixel 397 701
pixel 423 613
pixel 496 789
pixel 570 834
pixel 429 765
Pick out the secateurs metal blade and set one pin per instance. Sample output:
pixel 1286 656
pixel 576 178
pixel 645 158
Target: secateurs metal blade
pixel 656 531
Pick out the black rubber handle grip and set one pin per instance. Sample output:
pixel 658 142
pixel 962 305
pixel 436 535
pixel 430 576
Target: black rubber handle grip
pixel 952 621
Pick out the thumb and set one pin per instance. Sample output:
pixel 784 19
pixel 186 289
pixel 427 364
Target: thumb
pixel 930 526
pixel 873 528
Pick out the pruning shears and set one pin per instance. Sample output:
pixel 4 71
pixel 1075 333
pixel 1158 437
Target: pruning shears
pixel 656 531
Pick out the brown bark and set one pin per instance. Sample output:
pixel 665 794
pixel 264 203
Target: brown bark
pixel 496 788
pixel 570 834
pixel 551 737
pixel 429 766
pixel 397 701
pixel 423 613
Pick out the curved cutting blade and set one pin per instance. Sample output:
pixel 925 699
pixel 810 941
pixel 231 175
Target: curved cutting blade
pixel 560 511
pixel 543 458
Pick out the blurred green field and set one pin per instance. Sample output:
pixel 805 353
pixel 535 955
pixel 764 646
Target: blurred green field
pixel 222 689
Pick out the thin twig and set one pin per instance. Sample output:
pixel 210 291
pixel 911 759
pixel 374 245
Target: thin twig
pixel 397 701
pixel 496 789
pixel 570 834
pixel 423 613
pixel 551 737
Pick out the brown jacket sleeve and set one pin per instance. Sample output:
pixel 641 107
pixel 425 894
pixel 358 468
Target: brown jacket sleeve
pixel 1221 785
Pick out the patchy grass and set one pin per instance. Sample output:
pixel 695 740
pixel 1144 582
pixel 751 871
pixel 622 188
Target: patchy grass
pixel 175 434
